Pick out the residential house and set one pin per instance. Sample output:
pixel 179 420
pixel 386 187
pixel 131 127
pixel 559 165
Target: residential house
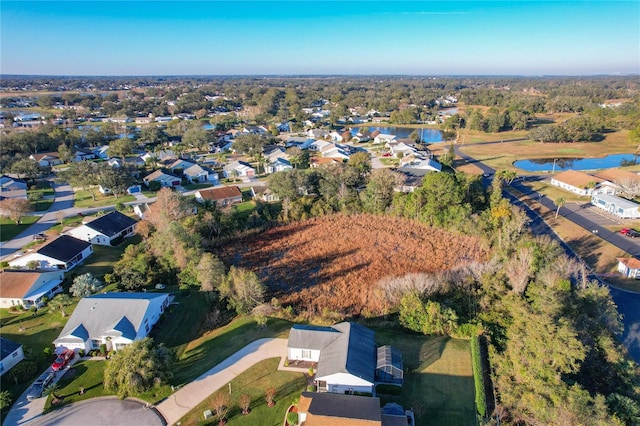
pixel 180 165
pixel 416 166
pixel 84 155
pixel 275 153
pixel 317 133
pixel 619 207
pixel 383 138
pixel 143 120
pixel 141 209
pixel 65 252
pixel 315 162
pixel 107 230
pixel 221 196
pixel 238 169
pixel 11 353
pixel 320 409
pixel 28 288
pixel 577 182
pixel 629 267
pixel 335 137
pixel 618 179
pixel 200 174
pixel 113 319
pixel 264 193
pixel 401 149
pixel 255 130
pixel 345 353
pixel 46 159
pixel 12 188
pixel 319 145
pixel 336 151
pixel 300 142
pixel 278 165
pixel 165 179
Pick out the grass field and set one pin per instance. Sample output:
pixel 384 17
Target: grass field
pixel 253 382
pixel 503 155
pixel 9 229
pixel 103 257
pixel 83 199
pixel 438 379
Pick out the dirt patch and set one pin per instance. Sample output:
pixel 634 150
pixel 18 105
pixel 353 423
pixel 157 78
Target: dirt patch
pixel 332 263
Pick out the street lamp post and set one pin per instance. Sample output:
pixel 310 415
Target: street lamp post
pixel 554 165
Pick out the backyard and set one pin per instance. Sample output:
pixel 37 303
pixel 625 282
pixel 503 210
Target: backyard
pixel 9 229
pixel 438 380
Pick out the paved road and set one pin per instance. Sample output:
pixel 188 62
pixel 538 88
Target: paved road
pixel 588 217
pixel 107 411
pixel 188 397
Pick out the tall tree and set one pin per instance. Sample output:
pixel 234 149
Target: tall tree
pixel 15 208
pixel 82 174
pixel 137 368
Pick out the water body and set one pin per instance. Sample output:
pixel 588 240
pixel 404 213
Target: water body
pixel 428 135
pixel 562 164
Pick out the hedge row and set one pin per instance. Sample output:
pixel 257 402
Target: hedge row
pixel 478 376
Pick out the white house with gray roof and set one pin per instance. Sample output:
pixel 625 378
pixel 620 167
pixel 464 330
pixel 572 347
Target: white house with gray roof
pixel 113 319
pixel 345 354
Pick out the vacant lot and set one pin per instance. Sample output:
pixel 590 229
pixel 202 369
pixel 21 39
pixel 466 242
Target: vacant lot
pixel 334 262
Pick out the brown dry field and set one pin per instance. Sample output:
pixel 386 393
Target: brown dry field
pixel 334 262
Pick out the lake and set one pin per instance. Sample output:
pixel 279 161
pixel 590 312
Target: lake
pixel 562 164
pixel 428 135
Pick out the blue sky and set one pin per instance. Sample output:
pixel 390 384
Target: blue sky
pixel 319 37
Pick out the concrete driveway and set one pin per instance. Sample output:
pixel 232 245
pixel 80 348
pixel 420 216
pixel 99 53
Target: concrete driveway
pixel 189 396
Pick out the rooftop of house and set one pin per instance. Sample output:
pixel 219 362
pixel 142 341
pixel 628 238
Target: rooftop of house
pixel 617 175
pixel 339 409
pixel 64 248
pixel 630 262
pixel 577 179
pixel 220 193
pixel 111 224
pixel 15 284
pixel 7 347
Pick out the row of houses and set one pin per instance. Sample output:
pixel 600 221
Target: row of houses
pixel 604 188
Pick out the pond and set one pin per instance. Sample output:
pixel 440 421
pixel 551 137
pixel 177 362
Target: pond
pixel 428 135
pixel 562 164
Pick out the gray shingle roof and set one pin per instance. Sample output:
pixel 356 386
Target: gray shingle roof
pixel 353 352
pixel 311 337
pixel 111 224
pixel 344 406
pixel 64 248
pixel 101 313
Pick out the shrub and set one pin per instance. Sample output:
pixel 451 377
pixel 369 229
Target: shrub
pixel 23 371
pixel 292 418
pixel 48 352
pixel 478 377
pixel 310 371
pixel 6 399
pixel 269 396
pixel 244 402
pixel 103 348
pixel 81 353
pixel 311 388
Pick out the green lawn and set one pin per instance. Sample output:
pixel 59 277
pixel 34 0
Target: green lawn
pixel 438 378
pixel 210 349
pixel 9 229
pixel 85 374
pixel 102 260
pixel 193 186
pixel 43 190
pixel 35 332
pixel 83 199
pixel 253 382
pixel 244 209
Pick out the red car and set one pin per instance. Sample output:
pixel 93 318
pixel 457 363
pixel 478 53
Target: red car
pixel 62 360
pixel 629 232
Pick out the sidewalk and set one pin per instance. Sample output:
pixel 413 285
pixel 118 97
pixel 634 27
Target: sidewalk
pixel 189 396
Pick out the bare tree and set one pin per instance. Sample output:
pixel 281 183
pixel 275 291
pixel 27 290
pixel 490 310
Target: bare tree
pixel 15 208
pixel 220 404
pixel 519 269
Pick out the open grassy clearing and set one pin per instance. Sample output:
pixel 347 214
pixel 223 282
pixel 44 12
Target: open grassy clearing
pixel 503 155
pixel 253 382
pixel 9 229
pixel 438 379
pixel 83 199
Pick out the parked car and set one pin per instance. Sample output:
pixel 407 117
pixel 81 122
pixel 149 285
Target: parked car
pixel 39 237
pixel 62 360
pixel 38 387
pixel 630 232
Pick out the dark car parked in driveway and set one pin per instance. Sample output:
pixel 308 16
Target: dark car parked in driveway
pixel 38 387
pixel 630 232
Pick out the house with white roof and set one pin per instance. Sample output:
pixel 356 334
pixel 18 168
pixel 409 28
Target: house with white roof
pixel 200 174
pixel 384 138
pixel 619 207
pixel 238 169
pixel 113 319
pixel 28 287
